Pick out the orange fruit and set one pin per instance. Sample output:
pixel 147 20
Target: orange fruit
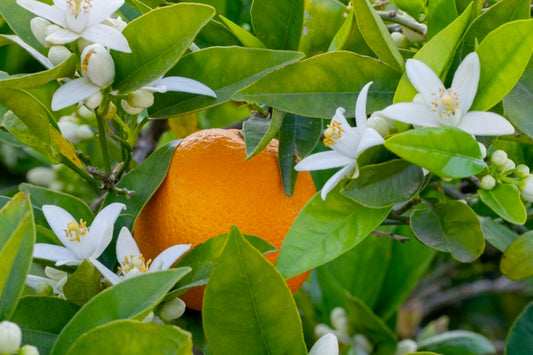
pixel 209 188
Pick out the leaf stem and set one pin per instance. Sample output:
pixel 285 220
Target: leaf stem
pixel 403 20
pixel 103 142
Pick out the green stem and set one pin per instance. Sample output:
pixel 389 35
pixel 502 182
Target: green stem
pixel 103 142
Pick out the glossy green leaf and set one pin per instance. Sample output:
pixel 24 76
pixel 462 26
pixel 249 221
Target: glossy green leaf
pixel 43 341
pixel 385 184
pixel 412 7
pixel 253 292
pixel 363 321
pixel 278 23
pixel 517 260
pixel 515 104
pixel 376 34
pixel 347 30
pixel 498 235
pixel 246 38
pixel 48 314
pixel 153 54
pixel 116 303
pixel 519 341
pixel 298 136
pixel 258 132
pixel 242 66
pixel 133 337
pixel 324 230
pixel 316 86
pixel 505 200
pixel 437 53
pixel 450 227
pixel 17 236
pixel 214 33
pixel 504 55
pixel 458 342
pixel 440 14
pixel 146 5
pixel 444 151
pixel 83 284
pixel 19 19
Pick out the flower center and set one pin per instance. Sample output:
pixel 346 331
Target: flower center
pixel 78 6
pixel 134 262
pixel 332 133
pixel 445 105
pixel 76 230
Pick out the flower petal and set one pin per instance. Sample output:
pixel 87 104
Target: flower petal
pixel 336 178
pixel 178 83
pixel 101 9
pixel 168 257
pixel 370 138
pixel 423 78
pixel 41 9
pixel 34 53
pixel 323 160
pixel 99 233
pixel 348 141
pixel 108 274
pixel 360 107
pixel 326 344
pixel 107 36
pixel 481 123
pixel 466 80
pixel 412 113
pixel 58 219
pixel 126 245
pixel 35 281
pixel 61 255
pixel 97 248
pixel 73 92
pixel 62 36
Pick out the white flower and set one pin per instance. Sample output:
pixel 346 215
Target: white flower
pixel 54 279
pixel 448 107
pixel 347 143
pixel 326 345
pixel 98 71
pixel 133 263
pixel 80 242
pixel 10 337
pixel 80 19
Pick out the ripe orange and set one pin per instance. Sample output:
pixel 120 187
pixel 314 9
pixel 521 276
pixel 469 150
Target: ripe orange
pixel 210 187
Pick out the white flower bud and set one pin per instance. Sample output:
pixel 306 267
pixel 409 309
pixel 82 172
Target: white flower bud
pixel 488 182
pixel 38 27
pixel 84 132
pixel 93 101
pixel 499 158
pixel 141 98
pixel 158 321
pixel 522 171
pixel 322 329
pixel 364 343
pixel 379 123
pixel 326 345
pixel 172 309
pixel 85 112
pixel 28 350
pixel 399 39
pixel 129 109
pixel 509 165
pixel 57 54
pixel 483 149
pixel 526 188
pixel 110 111
pixel 406 346
pixel 41 176
pixel 54 274
pixel 68 131
pixel 97 65
pixel 149 317
pixel 339 320
pixel 10 337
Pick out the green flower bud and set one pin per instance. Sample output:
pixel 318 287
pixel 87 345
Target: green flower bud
pixel 522 171
pixel 129 109
pixel 399 39
pixel 172 309
pixel 10 337
pixel 110 111
pixel 499 158
pixel 509 165
pixel 488 182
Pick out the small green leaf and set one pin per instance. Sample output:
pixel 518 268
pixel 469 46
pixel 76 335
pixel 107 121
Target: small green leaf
pixel 451 227
pixel 385 184
pixel 117 303
pixel 316 86
pixel 258 132
pixel 515 104
pixel 259 315
pixel 133 337
pixel 458 342
pixel 83 284
pixel 498 235
pixel 278 23
pixel 517 260
pixel 324 230
pixel 505 200
pixel 504 55
pixel 48 314
pixel 444 151
pixel 519 341
pixel 153 54
pixel 246 38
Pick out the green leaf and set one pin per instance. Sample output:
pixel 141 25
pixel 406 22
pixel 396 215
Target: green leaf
pixel 519 341
pixel 259 314
pixel 19 19
pixel 437 53
pixel 363 321
pixel 385 184
pixel 278 23
pixel 324 230
pixel 451 227
pixel 504 55
pixel 258 132
pixel 17 236
pixel 458 342
pixel 444 151
pixel 498 235
pixel 117 303
pixel 440 14
pixel 83 284
pixel 505 200
pixel 44 341
pixel 242 66
pixel 517 260
pixel 412 7
pixel 214 33
pixel 133 337
pixel 153 54
pixel 246 38
pixel 515 104
pixel 316 86
pixel 298 136
pixel 376 35
pixel 48 314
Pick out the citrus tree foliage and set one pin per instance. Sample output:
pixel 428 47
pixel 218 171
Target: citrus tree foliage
pixel 414 118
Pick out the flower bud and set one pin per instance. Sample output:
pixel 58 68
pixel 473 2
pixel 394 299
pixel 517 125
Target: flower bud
pixel 364 343
pixel 339 320
pixel 84 132
pixel 57 54
pixel 141 98
pixel 379 123
pixel 172 309
pixel 49 30
pixel 38 27
pixel 158 321
pixel 326 345
pixel 526 187
pixel 110 111
pixel 483 149
pixel 97 65
pixel 44 289
pixel 522 171
pixel 406 346
pixel 10 337
pixel 41 176
pixel 499 158
pixel 129 109
pixel 149 318
pixel 93 101
pixel 54 274
pixel 488 182
pixel 28 350
pixel 85 112
pixel 68 131
pixel 509 165
pixel 322 329
pixel 399 39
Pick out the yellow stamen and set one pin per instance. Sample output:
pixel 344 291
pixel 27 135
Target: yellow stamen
pixel 134 262
pixel 78 6
pixel 75 230
pixel 332 133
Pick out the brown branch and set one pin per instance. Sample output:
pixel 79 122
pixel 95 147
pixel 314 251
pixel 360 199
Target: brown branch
pixel 148 138
pixel 390 235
